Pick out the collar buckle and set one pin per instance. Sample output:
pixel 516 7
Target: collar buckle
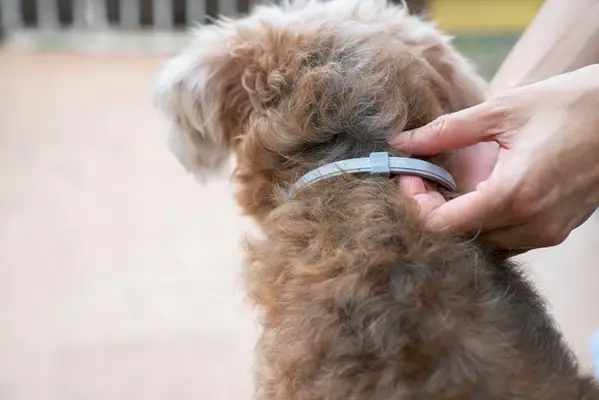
pixel 379 164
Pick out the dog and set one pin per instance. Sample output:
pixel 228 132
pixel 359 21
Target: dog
pixel 357 299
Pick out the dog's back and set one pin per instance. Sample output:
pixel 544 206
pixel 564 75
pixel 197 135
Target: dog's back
pixel 361 302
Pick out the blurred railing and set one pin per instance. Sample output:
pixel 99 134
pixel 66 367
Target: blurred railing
pixel 104 14
pixel 126 14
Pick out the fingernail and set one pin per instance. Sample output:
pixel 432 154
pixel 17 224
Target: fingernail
pixel 401 139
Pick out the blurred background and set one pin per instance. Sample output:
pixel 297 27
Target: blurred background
pixel 119 274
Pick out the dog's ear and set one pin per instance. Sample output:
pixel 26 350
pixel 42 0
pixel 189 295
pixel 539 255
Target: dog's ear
pixel 200 92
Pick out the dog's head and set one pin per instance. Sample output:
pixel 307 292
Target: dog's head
pixel 292 87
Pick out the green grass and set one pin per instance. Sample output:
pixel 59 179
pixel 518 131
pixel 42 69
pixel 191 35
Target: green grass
pixel 486 51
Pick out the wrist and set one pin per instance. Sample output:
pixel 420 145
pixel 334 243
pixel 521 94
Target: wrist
pixel 561 38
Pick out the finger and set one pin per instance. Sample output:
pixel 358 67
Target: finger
pixel 472 165
pixel 518 237
pixel 450 132
pixel 427 198
pixel 429 202
pixel 469 214
pixel 534 234
pixel 411 185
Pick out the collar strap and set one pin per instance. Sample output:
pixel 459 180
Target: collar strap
pixel 378 163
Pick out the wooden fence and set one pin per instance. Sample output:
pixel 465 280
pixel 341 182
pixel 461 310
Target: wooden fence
pixel 126 14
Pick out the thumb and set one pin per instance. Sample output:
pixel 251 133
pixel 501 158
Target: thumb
pixel 450 132
pixel 471 213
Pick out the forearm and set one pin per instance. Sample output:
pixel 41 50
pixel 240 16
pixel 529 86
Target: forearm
pixel 564 36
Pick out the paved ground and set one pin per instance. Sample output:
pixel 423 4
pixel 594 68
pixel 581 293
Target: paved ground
pixel 118 273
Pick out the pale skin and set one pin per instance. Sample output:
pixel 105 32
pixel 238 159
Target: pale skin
pixel 527 159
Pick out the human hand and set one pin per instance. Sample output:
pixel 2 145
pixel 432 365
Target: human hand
pixel 545 181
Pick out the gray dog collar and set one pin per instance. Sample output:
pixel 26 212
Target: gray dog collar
pixel 378 163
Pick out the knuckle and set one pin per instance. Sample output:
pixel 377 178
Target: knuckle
pixel 524 202
pixel 497 112
pixel 437 127
pixel 502 105
pixel 523 210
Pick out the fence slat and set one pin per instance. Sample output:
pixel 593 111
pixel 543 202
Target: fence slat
pixel 129 13
pixel 163 14
pixel 227 7
pixel 94 14
pixel 195 11
pixel 90 14
pixel 47 11
pixel 11 14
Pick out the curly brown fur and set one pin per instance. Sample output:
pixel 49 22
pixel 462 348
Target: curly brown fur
pixel 358 300
pixel 361 303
